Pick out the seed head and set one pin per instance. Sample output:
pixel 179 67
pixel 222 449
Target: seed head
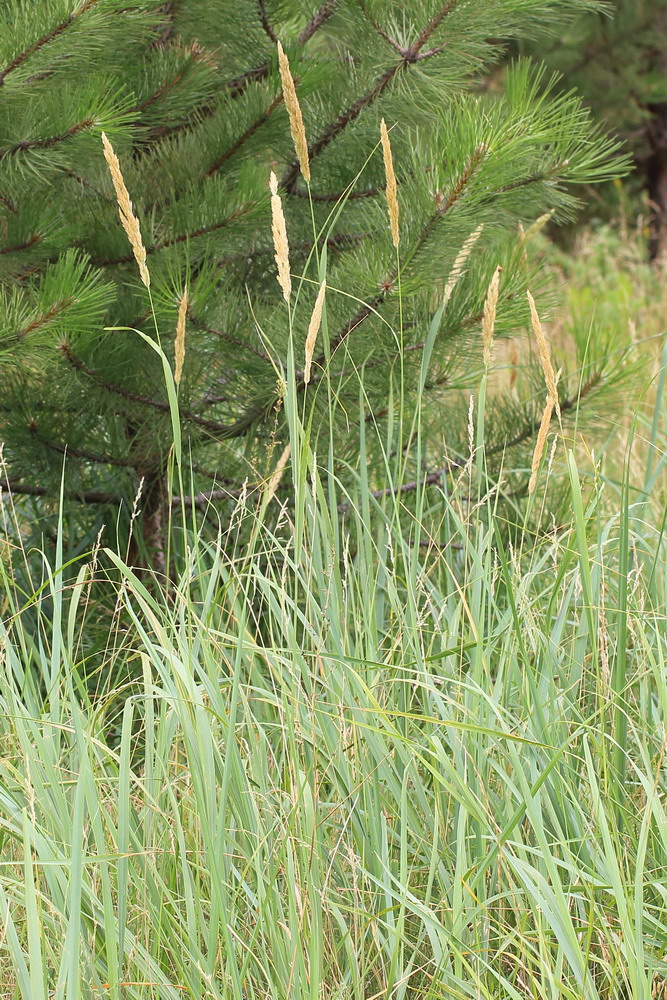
pixel 280 244
pixel 544 353
pixel 295 117
pixel 489 320
pixel 125 210
pixel 179 343
pixel 277 474
pixel 313 330
pixel 392 200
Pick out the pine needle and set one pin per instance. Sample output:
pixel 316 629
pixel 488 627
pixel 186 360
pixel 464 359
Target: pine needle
pixel 179 343
pixel 544 353
pixel 281 246
pixel 392 199
pixel 295 117
pixel 277 475
pixel 489 320
pixel 125 210
pixel 313 330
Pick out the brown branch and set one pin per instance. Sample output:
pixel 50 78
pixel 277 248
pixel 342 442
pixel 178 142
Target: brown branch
pixel 52 140
pixel 182 238
pixel 318 19
pixel 352 112
pixel 35 238
pixel 87 456
pixel 264 21
pixel 222 431
pixel 227 337
pixel 45 318
pixel 83 496
pixel 45 39
pixel 249 132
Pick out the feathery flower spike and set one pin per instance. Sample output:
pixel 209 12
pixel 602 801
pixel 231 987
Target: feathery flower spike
pixel 544 353
pixel 179 343
pixel 390 190
pixel 295 117
pixel 489 320
pixel 313 330
pixel 125 210
pixel 280 244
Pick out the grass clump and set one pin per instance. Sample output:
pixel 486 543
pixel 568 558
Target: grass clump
pixel 398 753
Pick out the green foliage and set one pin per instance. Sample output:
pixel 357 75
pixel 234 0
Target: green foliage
pixel 350 760
pixel 190 95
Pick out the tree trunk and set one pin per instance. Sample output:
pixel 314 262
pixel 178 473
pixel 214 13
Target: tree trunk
pixel 147 547
pixel 656 178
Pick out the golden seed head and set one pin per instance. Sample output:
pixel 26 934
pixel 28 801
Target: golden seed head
pixel 280 244
pixel 540 443
pixel 489 320
pixel 544 353
pixel 179 343
pixel 392 199
pixel 295 117
pixel 277 474
pixel 313 330
pixel 125 210
pixel 462 256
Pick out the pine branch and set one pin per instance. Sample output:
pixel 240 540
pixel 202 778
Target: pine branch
pixel 181 238
pixel 264 20
pixel 227 337
pixel 45 39
pixel 222 431
pixel 35 238
pixel 316 22
pixel 81 496
pixel 87 456
pixel 52 140
pixel 45 318
pixel 249 132
pixel 351 113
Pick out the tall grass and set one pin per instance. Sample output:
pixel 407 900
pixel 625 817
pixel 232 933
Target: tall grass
pixel 384 754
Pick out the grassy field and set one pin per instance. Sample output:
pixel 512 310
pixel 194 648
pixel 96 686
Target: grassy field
pixel 383 744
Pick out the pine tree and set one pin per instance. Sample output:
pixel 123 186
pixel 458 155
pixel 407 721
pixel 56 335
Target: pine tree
pixel 617 59
pixel 190 96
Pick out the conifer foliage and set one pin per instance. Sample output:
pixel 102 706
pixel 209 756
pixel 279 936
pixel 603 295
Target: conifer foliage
pixel 617 60
pixel 193 97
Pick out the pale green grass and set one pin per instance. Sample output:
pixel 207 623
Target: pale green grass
pixel 351 766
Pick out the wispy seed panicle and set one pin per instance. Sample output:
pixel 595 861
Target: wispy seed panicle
pixel 277 474
pixel 179 343
pixel 462 256
pixel 544 353
pixel 295 117
pixel 390 190
pixel 489 320
pixel 541 441
pixel 280 244
pixel 313 330
pixel 125 210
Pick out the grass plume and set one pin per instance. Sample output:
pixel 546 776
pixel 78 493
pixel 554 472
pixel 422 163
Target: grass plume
pixel 126 211
pixel 489 319
pixel 294 111
pixel 280 243
pixel 179 343
pixel 390 190
pixel 313 330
